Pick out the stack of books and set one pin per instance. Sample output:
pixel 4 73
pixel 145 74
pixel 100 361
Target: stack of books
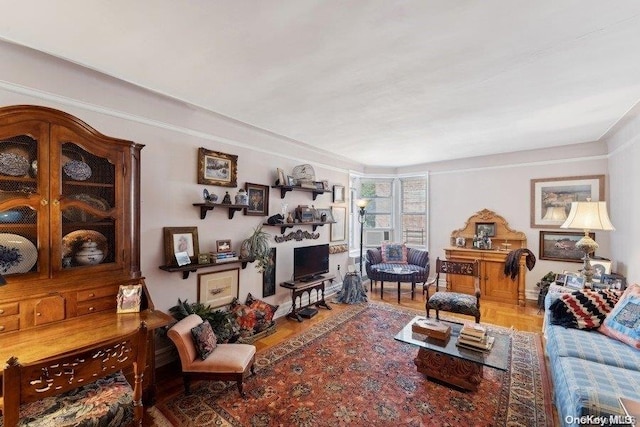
pixel 221 257
pixel 431 328
pixel 474 337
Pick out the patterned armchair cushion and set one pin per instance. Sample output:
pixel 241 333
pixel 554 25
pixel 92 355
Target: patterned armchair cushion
pixel 204 339
pixel 394 253
pixel 454 302
pixel 105 403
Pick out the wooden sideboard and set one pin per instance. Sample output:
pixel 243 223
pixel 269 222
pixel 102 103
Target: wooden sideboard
pixel 494 284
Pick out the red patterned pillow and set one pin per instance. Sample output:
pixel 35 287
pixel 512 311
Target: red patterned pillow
pixel 204 339
pixel 245 318
pixel 583 309
pixel 263 310
pixel 394 253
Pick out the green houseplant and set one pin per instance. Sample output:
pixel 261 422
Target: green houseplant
pixel 257 247
pixel 222 322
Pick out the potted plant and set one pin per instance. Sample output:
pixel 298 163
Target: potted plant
pixel 222 322
pixel 257 247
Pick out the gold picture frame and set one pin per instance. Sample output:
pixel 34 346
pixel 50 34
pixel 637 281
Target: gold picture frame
pixel 218 288
pixel 216 168
pixel 129 298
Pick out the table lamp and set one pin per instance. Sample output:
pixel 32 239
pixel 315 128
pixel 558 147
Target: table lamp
pixel 588 216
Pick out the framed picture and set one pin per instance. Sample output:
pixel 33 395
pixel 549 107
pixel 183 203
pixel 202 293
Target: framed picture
pixel 215 168
pixel 551 193
pixel 218 288
pixel 600 268
pixel 614 281
pixel 223 245
pixel 304 214
pixel 574 281
pixel 269 275
pixel 487 229
pixel 204 259
pixel 560 279
pixel 129 298
pixel 258 196
pixel 291 181
pixel 561 245
pixel 325 185
pixel 338 193
pixel 339 227
pixel 180 240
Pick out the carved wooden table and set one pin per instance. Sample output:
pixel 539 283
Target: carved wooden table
pixel 445 361
pixel 299 288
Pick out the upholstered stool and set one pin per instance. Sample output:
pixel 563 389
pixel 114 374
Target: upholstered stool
pixel 454 302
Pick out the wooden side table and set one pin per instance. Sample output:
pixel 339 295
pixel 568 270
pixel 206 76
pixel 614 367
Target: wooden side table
pixel 299 288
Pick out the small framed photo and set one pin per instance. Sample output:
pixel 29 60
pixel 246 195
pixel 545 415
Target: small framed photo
pixel 180 240
pixel 204 259
pixel 325 185
pixel 600 267
pixel 338 193
pixel 218 288
pixel 223 246
pixel 305 214
pixel 487 229
pixel 461 242
pixel 258 196
pixel 561 279
pixel 291 181
pixel 215 168
pixel 129 298
pixel 574 281
pixel 614 281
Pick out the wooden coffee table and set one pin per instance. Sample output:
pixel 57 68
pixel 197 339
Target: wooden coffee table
pixel 457 366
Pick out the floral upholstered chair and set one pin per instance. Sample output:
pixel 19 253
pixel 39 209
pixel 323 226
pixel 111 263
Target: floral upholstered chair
pixel 454 302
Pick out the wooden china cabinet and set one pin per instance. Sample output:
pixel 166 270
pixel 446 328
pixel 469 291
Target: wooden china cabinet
pixel 69 235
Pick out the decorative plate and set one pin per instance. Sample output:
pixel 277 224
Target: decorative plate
pixel 17 254
pixel 79 215
pixel 78 170
pixel 13 164
pixel 72 242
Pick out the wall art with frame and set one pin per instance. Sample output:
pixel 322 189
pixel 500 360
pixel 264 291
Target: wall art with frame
pixel 487 229
pixel 269 275
pixel 180 240
pixel 339 227
pixel 561 245
pixel 258 196
pixel 129 298
pixel 338 193
pixel 218 288
pixel 215 168
pixel 560 192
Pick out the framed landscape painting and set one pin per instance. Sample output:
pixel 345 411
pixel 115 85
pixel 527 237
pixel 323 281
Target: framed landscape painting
pixel 215 168
pixel 218 288
pixel 548 193
pixel 561 245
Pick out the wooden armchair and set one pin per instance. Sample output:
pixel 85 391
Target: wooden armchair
pixel 227 362
pixel 83 388
pixel 454 302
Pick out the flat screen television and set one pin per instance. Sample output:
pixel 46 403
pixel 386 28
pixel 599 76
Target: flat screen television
pixel 309 262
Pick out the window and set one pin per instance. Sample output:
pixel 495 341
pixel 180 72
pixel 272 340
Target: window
pixel 413 203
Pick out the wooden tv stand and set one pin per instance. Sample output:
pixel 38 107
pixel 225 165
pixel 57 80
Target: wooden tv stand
pixel 299 288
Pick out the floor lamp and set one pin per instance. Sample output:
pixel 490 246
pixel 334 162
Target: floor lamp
pixel 362 204
pixel 588 216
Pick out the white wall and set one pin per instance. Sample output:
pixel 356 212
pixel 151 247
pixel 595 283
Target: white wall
pixel 172 132
pixel 624 158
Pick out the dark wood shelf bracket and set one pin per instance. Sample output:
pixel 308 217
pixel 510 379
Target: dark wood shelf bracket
pixel 205 207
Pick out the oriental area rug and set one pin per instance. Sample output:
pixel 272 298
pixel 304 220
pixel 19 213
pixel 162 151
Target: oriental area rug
pixel 349 370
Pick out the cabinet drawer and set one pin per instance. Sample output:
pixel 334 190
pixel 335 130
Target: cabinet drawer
pixel 96 305
pixel 9 309
pixel 9 323
pixel 96 293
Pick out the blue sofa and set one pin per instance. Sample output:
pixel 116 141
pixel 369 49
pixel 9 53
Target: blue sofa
pixel 589 370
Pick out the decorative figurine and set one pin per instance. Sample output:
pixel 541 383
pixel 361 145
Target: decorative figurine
pixel 226 200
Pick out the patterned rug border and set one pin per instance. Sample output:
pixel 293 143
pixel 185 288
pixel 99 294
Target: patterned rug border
pixel 523 409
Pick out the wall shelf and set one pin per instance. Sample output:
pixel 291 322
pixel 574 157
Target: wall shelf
pixel 284 226
pixel 192 268
pixel 205 207
pixel 286 188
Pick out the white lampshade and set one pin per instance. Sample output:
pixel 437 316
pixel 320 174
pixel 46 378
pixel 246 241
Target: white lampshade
pixel 588 216
pixel 362 203
pixel 555 213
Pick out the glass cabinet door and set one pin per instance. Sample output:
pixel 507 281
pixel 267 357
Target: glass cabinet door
pixel 88 207
pixel 21 202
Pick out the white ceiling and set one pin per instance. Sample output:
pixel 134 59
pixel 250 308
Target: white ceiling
pixel 382 82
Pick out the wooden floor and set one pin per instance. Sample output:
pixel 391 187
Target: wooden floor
pixel 509 315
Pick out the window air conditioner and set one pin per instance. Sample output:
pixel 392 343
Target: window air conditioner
pixel 376 237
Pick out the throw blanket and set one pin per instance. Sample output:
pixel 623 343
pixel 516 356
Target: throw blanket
pixel 511 265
